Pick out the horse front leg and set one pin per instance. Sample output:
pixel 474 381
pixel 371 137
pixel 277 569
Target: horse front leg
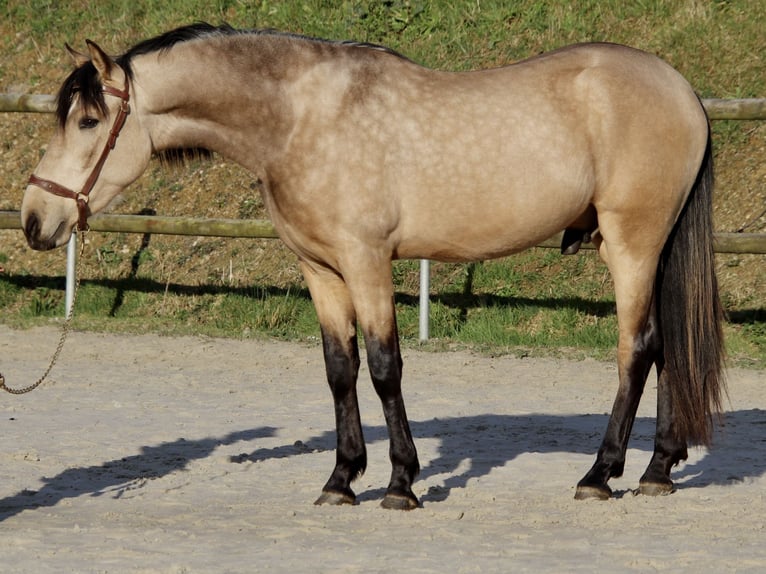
pixel 342 366
pixel 341 353
pixel 385 364
pixel 373 299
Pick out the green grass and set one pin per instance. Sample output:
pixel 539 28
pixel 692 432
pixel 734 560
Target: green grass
pixel 536 302
pixel 498 306
pixel 692 34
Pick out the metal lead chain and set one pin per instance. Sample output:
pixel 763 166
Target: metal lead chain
pixel 64 332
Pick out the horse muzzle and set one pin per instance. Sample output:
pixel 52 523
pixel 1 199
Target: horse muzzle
pixel 38 239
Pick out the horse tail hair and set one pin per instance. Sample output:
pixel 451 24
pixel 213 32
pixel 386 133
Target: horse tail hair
pixel 691 314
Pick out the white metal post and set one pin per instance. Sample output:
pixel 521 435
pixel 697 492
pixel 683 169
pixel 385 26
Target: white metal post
pixel 71 262
pixel 425 288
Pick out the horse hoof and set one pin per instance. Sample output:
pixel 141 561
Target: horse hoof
pixel 589 492
pixel 655 488
pixel 399 502
pixel 335 499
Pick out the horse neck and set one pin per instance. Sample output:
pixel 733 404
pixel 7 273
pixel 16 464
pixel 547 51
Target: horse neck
pixel 199 98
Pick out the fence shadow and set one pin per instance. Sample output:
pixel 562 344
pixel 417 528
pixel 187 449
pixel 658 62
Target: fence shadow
pixel 484 442
pixel 461 301
pixel 118 476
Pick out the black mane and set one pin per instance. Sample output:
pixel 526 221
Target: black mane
pixel 84 80
pixel 166 41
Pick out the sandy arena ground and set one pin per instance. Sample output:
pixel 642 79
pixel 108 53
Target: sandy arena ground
pixel 155 454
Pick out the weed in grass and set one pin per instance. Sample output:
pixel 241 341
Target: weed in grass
pixel 44 303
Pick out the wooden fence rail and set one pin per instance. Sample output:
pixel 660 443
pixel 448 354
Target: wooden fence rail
pixel 717 109
pixel 263 229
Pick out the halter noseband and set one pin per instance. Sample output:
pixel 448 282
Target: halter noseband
pixel 82 197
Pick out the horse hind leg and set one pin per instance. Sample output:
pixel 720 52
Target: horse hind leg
pixel 639 347
pixel 670 444
pixel 338 324
pixel 669 448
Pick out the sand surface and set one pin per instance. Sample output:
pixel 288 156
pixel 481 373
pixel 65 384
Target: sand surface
pixel 153 454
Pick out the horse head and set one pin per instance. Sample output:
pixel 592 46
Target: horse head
pixel 85 166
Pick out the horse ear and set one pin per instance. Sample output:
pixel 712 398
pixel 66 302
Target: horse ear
pixel 79 58
pixel 101 61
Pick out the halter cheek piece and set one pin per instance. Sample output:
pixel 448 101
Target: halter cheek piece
pixel 82 197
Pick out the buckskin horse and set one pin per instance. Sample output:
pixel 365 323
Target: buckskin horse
pixel 367 157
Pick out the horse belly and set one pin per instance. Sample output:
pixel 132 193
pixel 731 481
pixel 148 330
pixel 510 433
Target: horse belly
pixel 486 225
pixel 485 207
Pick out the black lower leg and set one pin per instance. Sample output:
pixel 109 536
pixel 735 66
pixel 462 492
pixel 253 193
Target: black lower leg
pixel 342 364
pixel 385 365
pixel 669 447
pixel 610 460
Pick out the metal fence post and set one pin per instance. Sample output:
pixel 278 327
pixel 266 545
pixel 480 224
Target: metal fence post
pixel 425 288
pixel 71 263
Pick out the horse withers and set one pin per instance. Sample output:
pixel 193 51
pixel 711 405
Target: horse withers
pixel 367 157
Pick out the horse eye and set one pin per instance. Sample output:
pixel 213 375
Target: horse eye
pixel 87 123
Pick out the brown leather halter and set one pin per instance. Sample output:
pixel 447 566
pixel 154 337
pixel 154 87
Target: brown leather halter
pixel 82 197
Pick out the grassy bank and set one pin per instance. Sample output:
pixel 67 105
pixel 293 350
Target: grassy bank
pixel 533 304
pixel 537 302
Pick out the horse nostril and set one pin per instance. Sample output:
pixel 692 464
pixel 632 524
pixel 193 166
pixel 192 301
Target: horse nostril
pixel 32 228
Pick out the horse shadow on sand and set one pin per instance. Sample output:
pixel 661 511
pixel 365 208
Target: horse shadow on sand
pixel 468 447
pixel 471 446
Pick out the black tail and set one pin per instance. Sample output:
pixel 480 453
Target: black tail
pixel 690 313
